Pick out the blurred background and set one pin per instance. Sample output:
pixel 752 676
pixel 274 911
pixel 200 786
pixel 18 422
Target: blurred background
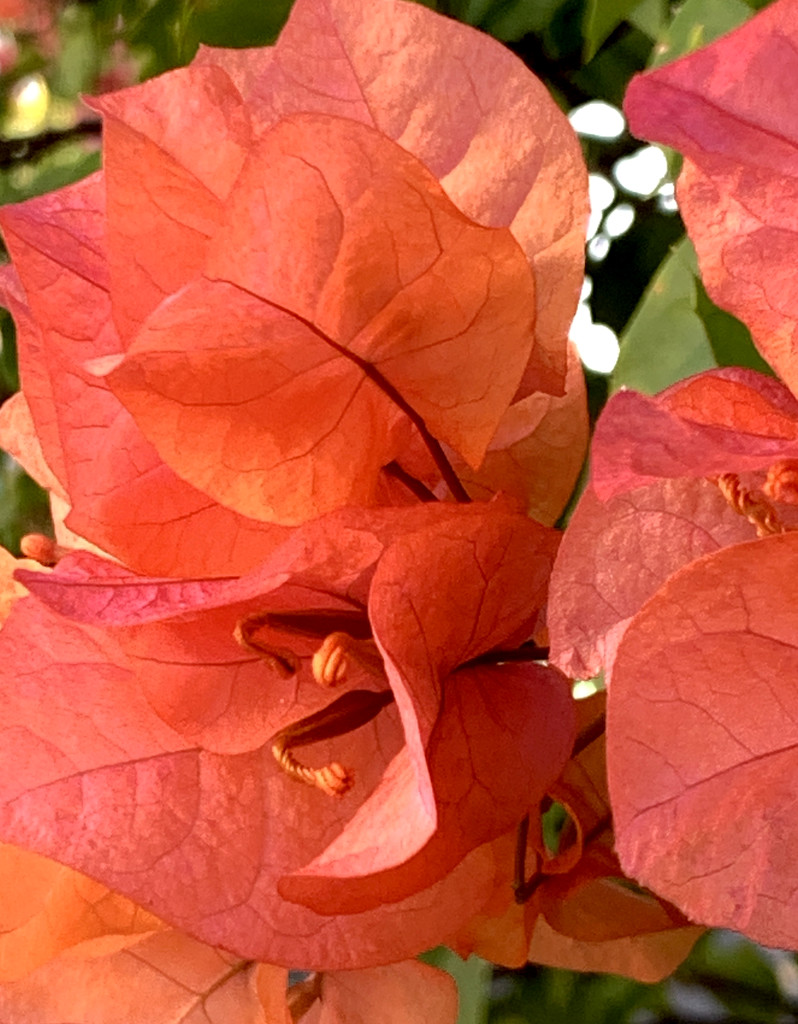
pixel 644 321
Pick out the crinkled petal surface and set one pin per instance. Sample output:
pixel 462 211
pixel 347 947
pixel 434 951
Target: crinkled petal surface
pixel 500 741
pixel 461 104
pixel 538 449
pixel 378 295
pixel 217 825
pixel 485 579
pixel 583 914
pixel 703 727
pixel 449 194
pixel 729 107
pixel 172 149
pixel 406 993
pixel 652 507
pixel 18 438
pixel 728 420
pixel 178 636
pixel 204 837
pixel 123 497
pixel 252 405
pixel 48 908
pixel 648 958
pixel 179 980
pixel 589 917
pixel 616 554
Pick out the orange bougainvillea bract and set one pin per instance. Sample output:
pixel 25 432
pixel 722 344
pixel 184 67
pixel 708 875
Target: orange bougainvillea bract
pixel 677 574
pixel 291 688
pixel 202 731
pixel 133 288
pixel 279 357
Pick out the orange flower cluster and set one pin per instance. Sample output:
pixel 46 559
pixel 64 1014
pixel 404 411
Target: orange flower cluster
pixel 295 373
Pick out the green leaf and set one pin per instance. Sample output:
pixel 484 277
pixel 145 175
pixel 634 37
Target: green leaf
pixel 607 75
pixel 665 339
pixel 507 20
pixel 473 982
pixel 60 165
pixel 79 57
pixel 9 368
pixel 677 330
pixel 651 17
pixel 161 34
pixel 730 339
pixel 239 22
pixel 698 22
pixel 24 507
pixel 601 17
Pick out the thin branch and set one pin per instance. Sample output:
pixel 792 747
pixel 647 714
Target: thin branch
pixel 526 652
pixel 445 468
pixel 17 151
pixel 589 735
pixel 421 491
pixel 302 995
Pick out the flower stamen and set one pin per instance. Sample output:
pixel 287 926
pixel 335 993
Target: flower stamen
pixel 349 712
pixel 42 549
pixel 745 502
pixel 332 661
pixel 332 779
pixel 782 481
pixel 283 662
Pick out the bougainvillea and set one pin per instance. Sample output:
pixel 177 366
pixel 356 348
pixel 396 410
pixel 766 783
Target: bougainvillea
pixel 202 712
pixel 426 309
pixel 295 372
pixel 677 574
pixel 269 355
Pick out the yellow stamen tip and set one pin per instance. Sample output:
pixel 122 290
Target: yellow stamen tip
pixel 334 779
pixel 332 661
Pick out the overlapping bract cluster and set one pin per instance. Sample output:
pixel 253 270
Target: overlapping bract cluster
pixel 677 573
pixel 316 300
pixel 416 261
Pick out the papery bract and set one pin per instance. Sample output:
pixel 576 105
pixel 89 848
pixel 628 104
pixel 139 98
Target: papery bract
pixel 122 496
pixel 224 825
pixel 730 109
pixel 48 908
pixel 589 917
pixel 580 911
pixel 651 458
pixel 317 299
pixel 703 746
pixel 390 70
pixel 106 981
pixel 409 992
pixel 694 647
pixel 304 280
pixel 537 451
pixel 201 197
pixel 73 950
pixel 176 977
